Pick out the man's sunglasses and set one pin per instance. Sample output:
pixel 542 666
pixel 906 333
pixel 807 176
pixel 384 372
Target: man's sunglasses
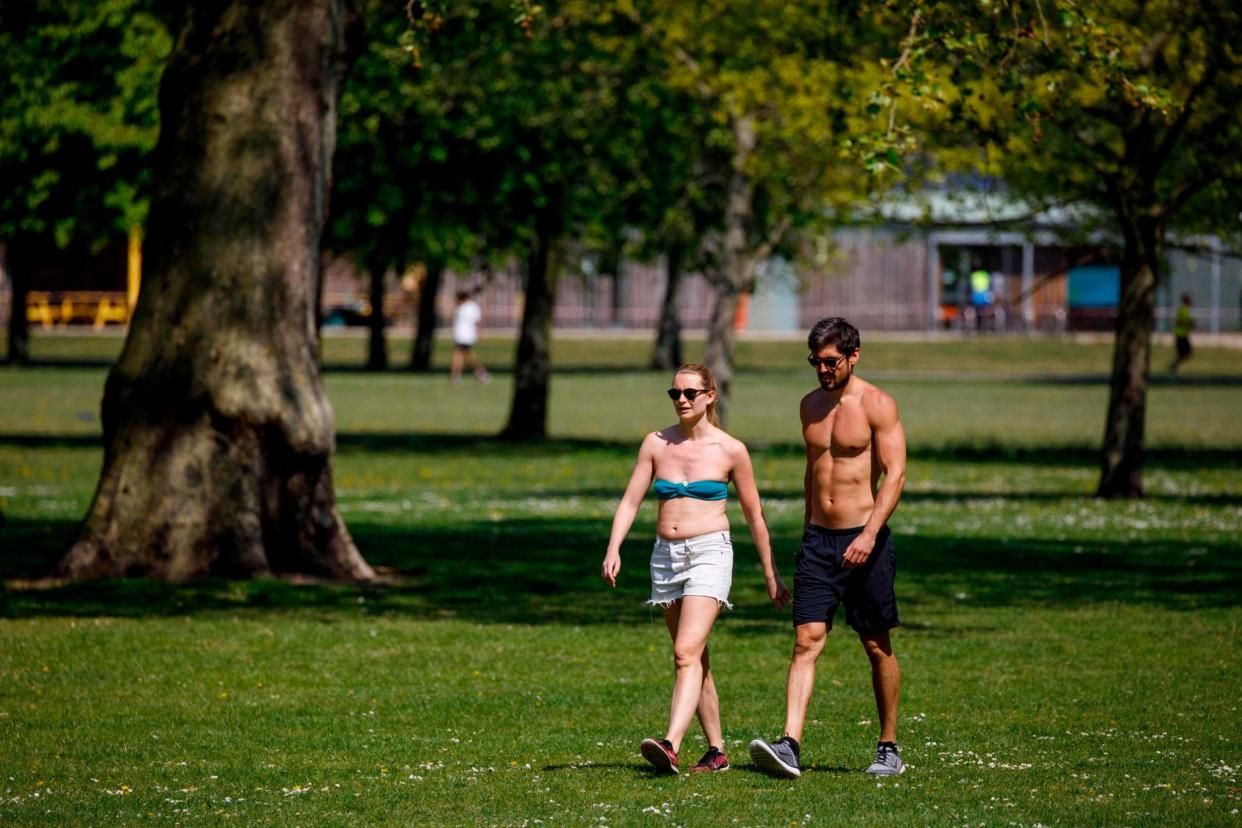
pixel 674 394
pixel 830 363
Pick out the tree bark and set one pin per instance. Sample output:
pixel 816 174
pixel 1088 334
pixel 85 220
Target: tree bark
pixel 667 353
pixel 218 436
pixel 532 368
pixel 19 280
pixel 735 269
pixel 718 352
pixel 610 268
pixel 377 348
pixel 1121 458
pixel 424 337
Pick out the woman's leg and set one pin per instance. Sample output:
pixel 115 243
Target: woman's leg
pixel 689 622
pixel 709 703
pixel 455 365
pixel 709 706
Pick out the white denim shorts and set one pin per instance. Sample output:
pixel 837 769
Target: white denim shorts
pixel 702 565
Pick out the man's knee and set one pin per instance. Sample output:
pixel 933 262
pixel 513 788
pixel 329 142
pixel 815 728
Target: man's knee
pixel 809 641
pixel 879 647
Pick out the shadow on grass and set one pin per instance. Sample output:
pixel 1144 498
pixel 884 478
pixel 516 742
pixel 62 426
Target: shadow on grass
pixel 545 570
pixel 434 445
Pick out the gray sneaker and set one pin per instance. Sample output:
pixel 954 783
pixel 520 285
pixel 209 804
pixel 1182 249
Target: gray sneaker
pixel 779 758
pixel 887 761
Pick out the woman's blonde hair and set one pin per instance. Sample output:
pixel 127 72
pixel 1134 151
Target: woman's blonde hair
pixel 709 384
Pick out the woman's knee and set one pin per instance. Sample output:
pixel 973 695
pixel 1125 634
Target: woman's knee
pixel 688 654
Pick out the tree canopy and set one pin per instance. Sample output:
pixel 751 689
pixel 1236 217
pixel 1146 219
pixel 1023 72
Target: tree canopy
pixel 78 117
pixel 1123 111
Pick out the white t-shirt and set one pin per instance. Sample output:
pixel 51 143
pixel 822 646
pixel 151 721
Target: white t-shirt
pixel 466 323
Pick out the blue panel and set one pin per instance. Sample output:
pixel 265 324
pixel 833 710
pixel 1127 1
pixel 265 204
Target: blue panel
pixel 1095 286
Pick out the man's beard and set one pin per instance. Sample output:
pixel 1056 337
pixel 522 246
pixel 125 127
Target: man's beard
pixel 836 381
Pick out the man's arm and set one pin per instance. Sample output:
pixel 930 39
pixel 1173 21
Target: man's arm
pixel 810 462
pixel 888 445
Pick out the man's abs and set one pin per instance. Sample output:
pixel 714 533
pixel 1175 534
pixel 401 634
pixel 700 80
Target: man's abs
pixel 841 495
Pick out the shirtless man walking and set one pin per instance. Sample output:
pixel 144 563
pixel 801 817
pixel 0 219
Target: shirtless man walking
pixel 855 471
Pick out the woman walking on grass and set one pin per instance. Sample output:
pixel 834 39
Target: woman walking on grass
pixel 691 464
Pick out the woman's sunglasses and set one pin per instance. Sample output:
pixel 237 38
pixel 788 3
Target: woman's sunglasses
pixel 674 394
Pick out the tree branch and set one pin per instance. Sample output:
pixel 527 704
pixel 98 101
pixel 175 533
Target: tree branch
pixel 1189 190
pixel 1175 130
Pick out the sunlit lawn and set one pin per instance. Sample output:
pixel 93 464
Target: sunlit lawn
pixel 1065 660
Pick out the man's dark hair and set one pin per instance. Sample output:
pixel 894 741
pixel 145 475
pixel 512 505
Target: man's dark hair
pixel 834 331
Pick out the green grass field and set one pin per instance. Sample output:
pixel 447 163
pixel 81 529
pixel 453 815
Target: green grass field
pixel 1065 661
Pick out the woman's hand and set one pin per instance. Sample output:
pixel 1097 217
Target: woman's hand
pixel 778 592
pixel 610 568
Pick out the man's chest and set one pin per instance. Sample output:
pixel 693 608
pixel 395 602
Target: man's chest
pixel 842 432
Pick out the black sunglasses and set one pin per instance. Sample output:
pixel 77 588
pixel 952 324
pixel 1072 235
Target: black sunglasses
pixel 674 394
pixel 830 363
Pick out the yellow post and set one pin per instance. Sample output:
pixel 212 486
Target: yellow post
pixel 134 273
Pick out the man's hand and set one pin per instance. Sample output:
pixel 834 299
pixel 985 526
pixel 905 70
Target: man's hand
pixel 610 568
pixel 858 551
pixel 778 592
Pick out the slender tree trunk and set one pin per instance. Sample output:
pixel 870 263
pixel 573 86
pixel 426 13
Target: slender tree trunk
pixel 1121 459
pixel 610 264
pixel 532 368
pixel 667 354
pixel 736 266
pixel 218 436
pixel 424 337
pixel 318 300
pixel 17 267
pixel 377 350
pixel 718 353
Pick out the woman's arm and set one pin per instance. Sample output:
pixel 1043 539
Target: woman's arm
pixel 627 509
pixel 743 475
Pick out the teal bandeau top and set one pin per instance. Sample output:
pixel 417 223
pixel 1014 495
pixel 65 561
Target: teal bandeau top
pixel 697 489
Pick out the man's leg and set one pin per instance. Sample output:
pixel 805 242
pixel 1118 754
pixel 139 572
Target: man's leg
pixel 885 681
pixel 809 642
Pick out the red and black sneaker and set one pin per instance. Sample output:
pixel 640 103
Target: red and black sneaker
pixel 713 760
pixel 660 754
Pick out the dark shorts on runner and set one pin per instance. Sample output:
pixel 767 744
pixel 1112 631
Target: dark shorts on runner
pixel 822 582
pixel 1183 346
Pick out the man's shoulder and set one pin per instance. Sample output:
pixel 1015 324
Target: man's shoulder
pixel 814 397
pixel 876 402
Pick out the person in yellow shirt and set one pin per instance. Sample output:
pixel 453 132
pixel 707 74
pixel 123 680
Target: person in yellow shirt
pixel 1182 323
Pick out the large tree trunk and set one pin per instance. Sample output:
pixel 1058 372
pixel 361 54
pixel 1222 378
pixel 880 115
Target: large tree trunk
pixel 1121 459
pixel 532 368
pixel 420 354
pixel 218 437
pixel 667 353
pixel 377 348
pixel 18 266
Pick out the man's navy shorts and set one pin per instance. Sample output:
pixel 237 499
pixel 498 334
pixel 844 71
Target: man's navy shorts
pixel 822 582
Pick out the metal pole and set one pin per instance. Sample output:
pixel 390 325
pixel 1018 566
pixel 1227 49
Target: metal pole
pixel 1028 285
pixel 933 282
pixel 133 270
pixel 1215 318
